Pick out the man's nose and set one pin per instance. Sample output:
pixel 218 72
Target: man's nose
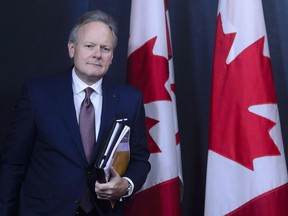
pixel 97 52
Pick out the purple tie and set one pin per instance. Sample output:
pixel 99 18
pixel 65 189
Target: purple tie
pixel 87 123
pixel 87 131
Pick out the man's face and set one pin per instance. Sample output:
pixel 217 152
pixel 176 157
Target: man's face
pixel 92 52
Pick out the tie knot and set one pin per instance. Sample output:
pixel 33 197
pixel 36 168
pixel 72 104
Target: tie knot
pixel 88 92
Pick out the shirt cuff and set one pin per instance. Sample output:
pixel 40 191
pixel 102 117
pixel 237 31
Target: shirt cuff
pixel 129 192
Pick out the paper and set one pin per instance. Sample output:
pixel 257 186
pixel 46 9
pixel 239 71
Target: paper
pixel 115 151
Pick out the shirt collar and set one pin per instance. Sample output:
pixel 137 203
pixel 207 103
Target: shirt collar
pixel 79 85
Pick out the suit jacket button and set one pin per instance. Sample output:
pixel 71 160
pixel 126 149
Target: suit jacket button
pixel 88 172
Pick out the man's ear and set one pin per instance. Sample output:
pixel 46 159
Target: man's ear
pixel 71 49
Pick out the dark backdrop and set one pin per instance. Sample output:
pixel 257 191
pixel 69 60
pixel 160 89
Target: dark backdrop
pixel 33 38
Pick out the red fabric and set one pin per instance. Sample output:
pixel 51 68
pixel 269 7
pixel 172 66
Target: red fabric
pixel 161 200
pixel 272 203
pixel 150 69
pixel 246 162
pixel 245 82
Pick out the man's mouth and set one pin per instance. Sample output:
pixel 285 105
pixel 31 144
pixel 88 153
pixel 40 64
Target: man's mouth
pixel 94 64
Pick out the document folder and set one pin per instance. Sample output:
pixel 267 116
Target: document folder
pixel 115 151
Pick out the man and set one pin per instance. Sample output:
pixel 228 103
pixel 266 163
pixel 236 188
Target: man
pixel 46 168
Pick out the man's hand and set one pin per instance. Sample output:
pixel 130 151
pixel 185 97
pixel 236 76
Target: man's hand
pixel 112 190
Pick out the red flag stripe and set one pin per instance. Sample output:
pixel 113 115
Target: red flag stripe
pixel 272 201
pixel 158 198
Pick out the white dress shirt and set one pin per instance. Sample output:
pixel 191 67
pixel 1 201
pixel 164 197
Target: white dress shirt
pixel 96 98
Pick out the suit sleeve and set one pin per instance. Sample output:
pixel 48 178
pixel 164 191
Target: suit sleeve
pixel 139 165
pixel 16 153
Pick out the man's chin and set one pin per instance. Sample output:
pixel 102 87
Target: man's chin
pixel 95 76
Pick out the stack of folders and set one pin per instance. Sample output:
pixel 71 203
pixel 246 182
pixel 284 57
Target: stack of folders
pixel 115 151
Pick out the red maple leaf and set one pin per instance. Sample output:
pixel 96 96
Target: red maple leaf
pixel 177 138
pixel 236 133
pixel 152 146
pixel 148 72
pixel 172 85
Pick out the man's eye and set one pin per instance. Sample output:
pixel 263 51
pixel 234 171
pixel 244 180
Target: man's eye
pixel 88 46
pixel 105 49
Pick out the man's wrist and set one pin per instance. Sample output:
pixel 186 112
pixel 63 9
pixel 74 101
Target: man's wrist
pixel 130 187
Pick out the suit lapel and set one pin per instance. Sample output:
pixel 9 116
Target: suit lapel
pixel 64 95
pixel 65 101
pixel 109 106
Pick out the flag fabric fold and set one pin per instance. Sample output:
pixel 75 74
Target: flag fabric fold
pixel 246 170
pixel 150 69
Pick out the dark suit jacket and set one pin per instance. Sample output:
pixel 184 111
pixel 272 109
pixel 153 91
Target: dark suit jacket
pixel 43 166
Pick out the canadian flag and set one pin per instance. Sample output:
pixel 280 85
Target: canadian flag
pixel 150 69
pixel 246 171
